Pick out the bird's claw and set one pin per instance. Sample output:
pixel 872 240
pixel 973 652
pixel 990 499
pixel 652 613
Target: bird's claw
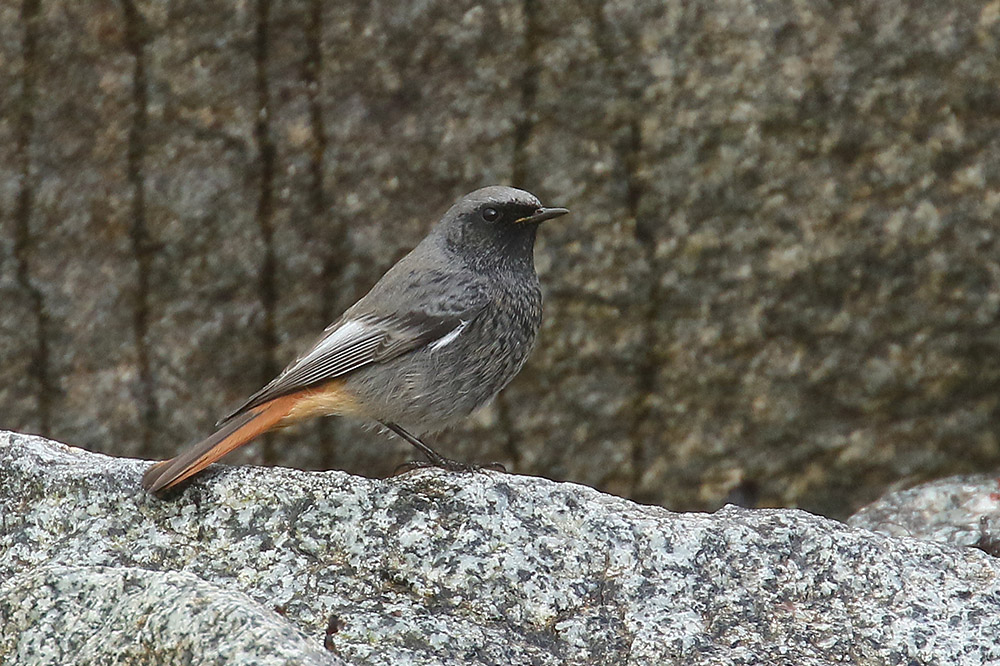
pixel 448 465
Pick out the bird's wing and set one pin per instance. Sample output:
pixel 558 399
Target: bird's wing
pixel 353 342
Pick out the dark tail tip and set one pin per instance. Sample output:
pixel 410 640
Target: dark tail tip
pixel 155 478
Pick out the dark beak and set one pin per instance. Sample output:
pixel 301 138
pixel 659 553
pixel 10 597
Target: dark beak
pixel 543 214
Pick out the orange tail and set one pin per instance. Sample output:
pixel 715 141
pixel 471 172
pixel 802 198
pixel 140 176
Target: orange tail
pixel 234 434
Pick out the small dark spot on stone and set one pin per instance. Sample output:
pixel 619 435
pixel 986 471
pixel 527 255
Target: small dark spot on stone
pixel 848 148
pixel 745 494
pixel 281 609
pixel 989 541
pixel 786 34
pixel 983 99
pixel 947 161
pixel 395 580
pixel 333 625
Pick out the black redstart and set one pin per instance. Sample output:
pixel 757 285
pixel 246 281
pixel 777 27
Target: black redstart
pixel 438 336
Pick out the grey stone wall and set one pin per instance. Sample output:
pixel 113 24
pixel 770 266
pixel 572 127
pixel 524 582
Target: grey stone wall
pixel 780 283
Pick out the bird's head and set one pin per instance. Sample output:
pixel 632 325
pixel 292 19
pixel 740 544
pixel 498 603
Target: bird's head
pixel 496 223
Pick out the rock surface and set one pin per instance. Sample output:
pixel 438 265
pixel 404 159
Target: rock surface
pixel 780 282
pixel 251 565
pixel 122 615
pixel 961 511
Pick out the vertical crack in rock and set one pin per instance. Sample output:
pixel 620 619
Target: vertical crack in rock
pixel 647 363
pixel 528 93
pixel 40 363
pixel 335 253
pixel 334 258
pixel 267 287
pixel 629 85
pixel 519 172
pixel 141 247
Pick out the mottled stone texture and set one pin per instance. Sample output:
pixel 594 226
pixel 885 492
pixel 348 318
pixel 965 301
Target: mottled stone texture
pixel 961 511
pixel 64 615
pixel 253 565
pixel 780 283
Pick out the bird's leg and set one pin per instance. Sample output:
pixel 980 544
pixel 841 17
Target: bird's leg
pixel 435 458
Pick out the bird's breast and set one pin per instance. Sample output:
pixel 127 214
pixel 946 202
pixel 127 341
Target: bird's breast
pixel 459 372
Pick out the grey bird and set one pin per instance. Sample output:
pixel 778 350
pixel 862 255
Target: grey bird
pixel 443 331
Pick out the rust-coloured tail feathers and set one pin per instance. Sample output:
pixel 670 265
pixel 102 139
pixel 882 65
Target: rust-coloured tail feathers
pixel 239 431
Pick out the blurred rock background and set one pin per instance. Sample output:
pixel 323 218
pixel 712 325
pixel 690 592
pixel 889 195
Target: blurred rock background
pixel 780 284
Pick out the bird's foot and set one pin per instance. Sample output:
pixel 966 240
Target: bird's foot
pixel 434 458
pixel 449 465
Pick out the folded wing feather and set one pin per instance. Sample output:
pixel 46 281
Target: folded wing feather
pixel 353 343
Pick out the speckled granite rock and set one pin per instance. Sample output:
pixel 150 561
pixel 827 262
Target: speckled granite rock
pixel 252 565
pixel 962 511
pixel 780 283
pixel 93 614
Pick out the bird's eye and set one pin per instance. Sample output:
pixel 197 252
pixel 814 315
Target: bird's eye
pixel 491 214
